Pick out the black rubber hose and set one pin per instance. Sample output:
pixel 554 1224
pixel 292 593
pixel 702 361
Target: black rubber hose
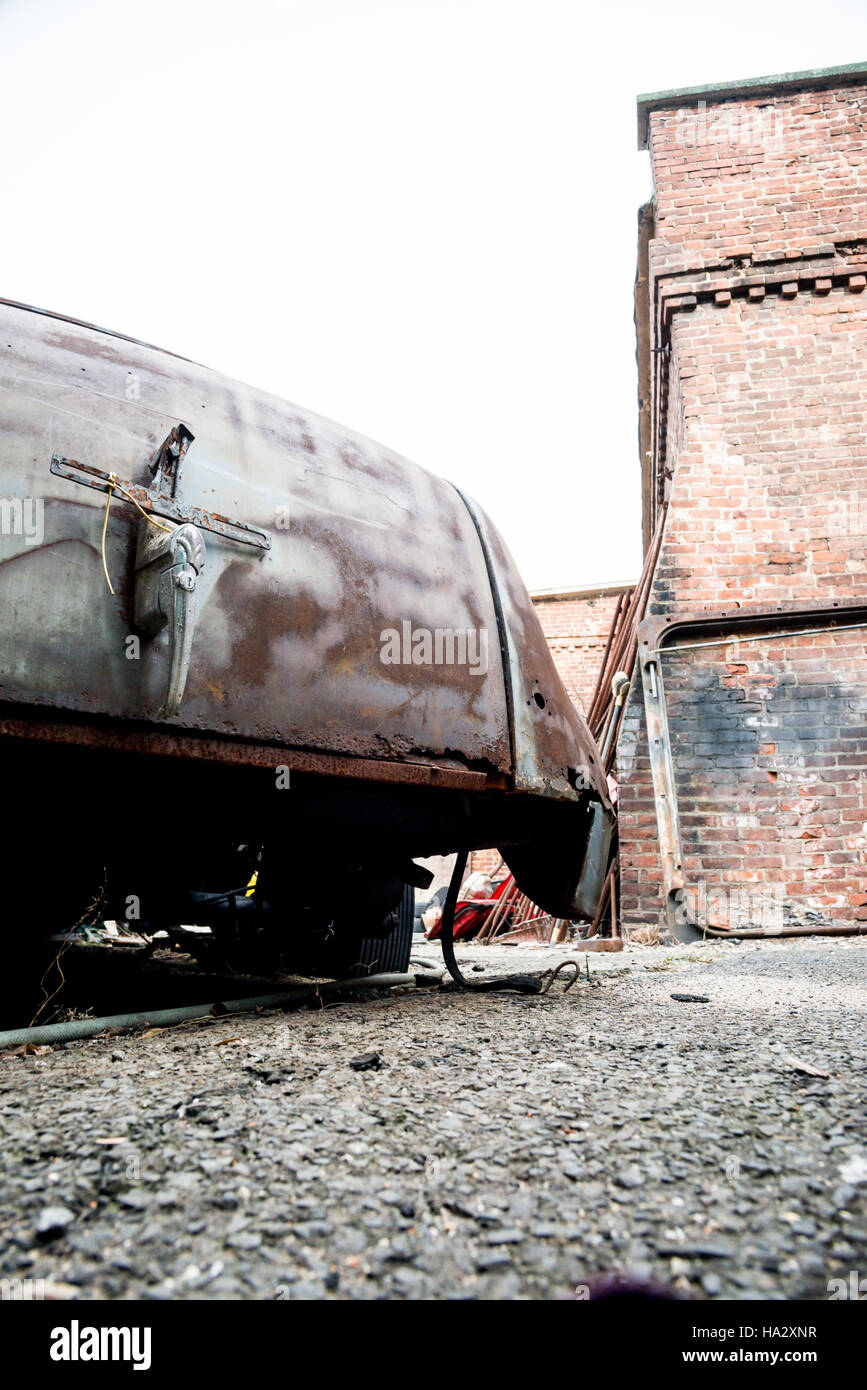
pixel 525 984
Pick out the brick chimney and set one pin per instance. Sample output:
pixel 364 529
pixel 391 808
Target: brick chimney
pixel 752 328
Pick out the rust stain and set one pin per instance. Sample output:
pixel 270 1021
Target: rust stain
pixel 122 739
pixel 261 617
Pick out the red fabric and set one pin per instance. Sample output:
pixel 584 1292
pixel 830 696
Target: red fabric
pixel 469 916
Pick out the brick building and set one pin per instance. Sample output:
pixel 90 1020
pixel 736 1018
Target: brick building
pixel 751 315
pixel 576 623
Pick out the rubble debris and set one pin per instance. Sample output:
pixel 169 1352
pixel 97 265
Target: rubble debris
pixel 805 1068
pixel 695 1250
pixel 53 1222
pixel 366 1061
pixel 645 936
pixel 854 1170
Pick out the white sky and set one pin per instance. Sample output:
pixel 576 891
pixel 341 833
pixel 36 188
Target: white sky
pixel 414 216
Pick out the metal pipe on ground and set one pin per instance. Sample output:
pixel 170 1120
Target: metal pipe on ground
pixel 770 933
pixel 76 1029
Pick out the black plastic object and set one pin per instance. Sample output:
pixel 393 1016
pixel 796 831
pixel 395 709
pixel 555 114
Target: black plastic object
pixel 389 953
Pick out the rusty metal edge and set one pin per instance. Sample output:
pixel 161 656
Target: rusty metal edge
pixel 654 634
pixel 97 328
pixel 658 631
pixel 148 742
pixel 502 629
pixel 531 771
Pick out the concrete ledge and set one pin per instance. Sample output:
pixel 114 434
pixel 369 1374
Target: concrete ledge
pixel 810 80
pixel 590 591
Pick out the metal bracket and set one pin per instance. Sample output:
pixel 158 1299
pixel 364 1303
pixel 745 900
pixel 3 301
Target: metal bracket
pixel 161 498
pixel 168 460
pixel 168 562
pixel 661 766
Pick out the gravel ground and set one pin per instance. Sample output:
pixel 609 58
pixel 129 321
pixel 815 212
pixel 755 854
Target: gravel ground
pixel 508 1147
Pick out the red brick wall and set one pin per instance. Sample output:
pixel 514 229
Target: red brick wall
pixel 577 629
pixel 760 328
pixel 750 176
pixel 487 861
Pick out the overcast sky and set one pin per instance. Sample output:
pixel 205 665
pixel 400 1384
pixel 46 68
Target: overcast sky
pixel 416 217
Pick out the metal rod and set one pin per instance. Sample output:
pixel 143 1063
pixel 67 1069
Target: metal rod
pixel 165 1018
pixel 760 637
pixel 612 628
pixel 487 929
pixel 831 929
pixel 602 904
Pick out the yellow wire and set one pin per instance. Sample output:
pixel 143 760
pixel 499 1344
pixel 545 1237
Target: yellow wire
pixel 147 516
pixel 104 525
pixel 115 484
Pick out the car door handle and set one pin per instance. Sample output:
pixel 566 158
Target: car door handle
pixel 167 571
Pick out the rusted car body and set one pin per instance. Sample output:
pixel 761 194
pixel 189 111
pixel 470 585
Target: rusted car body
pixel 313 649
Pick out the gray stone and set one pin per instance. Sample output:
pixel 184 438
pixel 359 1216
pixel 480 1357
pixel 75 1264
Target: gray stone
pixel 53 1222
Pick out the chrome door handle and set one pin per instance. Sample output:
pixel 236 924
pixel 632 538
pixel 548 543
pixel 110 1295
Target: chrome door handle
pixel 167 571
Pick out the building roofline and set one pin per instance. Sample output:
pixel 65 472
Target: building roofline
pixel 585 591
pixel 809 80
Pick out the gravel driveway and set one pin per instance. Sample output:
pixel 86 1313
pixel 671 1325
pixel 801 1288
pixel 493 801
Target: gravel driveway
pixel 508 1146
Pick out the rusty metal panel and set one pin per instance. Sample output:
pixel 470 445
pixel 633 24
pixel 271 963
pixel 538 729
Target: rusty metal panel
pixel 289 640
pixel 111 737
pixel 553 750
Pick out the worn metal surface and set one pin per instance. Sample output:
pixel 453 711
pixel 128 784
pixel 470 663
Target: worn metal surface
pixel 655 635
pixel 554 754
pixel 288 643
pixel 597 854
pixel 113 737
pixel 289 640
